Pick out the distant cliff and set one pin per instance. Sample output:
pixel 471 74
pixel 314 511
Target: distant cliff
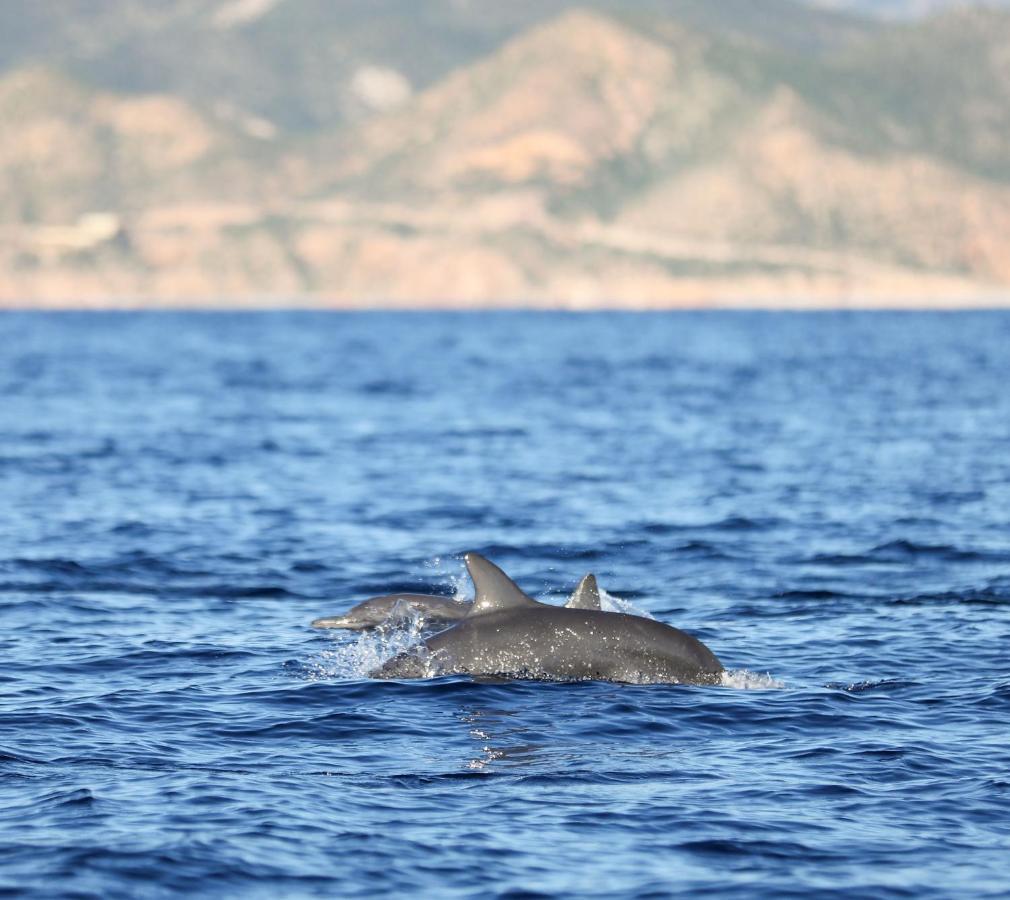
pixel 636 153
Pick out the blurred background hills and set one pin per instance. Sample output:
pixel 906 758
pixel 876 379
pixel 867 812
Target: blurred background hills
pixel 467 152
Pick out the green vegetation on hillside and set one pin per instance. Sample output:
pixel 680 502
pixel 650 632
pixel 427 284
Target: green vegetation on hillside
pixel 645 151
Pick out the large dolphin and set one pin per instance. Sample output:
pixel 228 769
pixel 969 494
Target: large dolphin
pixel 433 608
pixel 509 634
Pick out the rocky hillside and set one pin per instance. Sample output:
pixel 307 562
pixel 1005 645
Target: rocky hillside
pixel 615 154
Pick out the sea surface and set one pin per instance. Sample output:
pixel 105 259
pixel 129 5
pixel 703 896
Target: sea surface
pixel 824 499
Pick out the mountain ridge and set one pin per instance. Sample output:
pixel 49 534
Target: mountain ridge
pixel 589 160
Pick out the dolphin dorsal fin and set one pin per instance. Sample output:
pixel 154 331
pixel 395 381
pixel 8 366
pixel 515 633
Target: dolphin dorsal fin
pixel 493 590
pixel 586 595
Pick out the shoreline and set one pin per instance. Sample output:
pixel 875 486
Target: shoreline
pixel 981 301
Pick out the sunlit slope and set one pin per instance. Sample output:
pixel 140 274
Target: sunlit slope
pixel 631 158
pixel 73 149
pixel 587 145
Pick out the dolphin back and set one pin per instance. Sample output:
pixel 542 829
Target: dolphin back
pixel 548 642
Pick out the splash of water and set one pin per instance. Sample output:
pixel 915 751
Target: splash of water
pixel 745 680
pixel 610 603
pixel 452 570
pixel 355 656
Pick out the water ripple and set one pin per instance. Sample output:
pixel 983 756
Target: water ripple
pixel 822 499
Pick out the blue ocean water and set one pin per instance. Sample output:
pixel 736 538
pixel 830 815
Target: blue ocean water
pixel 824 499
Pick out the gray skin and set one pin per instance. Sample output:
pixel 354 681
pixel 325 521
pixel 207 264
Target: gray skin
pixel 586 595
pixel 379 610
pixel 508 634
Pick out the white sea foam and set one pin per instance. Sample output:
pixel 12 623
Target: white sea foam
pixel 610 603
pixel 452 570
pixel 354 656
pixel 744 680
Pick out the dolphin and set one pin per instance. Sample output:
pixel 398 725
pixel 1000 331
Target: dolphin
pixel 375 611
pixel 508 634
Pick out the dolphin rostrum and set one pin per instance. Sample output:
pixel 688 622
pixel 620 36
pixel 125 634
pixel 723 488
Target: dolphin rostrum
pixel 509 634
pixel 434 608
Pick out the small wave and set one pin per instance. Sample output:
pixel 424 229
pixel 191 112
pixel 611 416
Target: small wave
pixel 972 597
pixel 730 523
pixel 388 387
pixel 861 687
pixel 955 498
pixel 76 797
pixel 903 551
pixel 814 594
pixel 745 680
pixel 756 848
pixel 998 696
pixel 485 433
pixel 251 592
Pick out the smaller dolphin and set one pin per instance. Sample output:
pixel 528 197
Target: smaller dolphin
pixel 375 611
pixel 433 608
